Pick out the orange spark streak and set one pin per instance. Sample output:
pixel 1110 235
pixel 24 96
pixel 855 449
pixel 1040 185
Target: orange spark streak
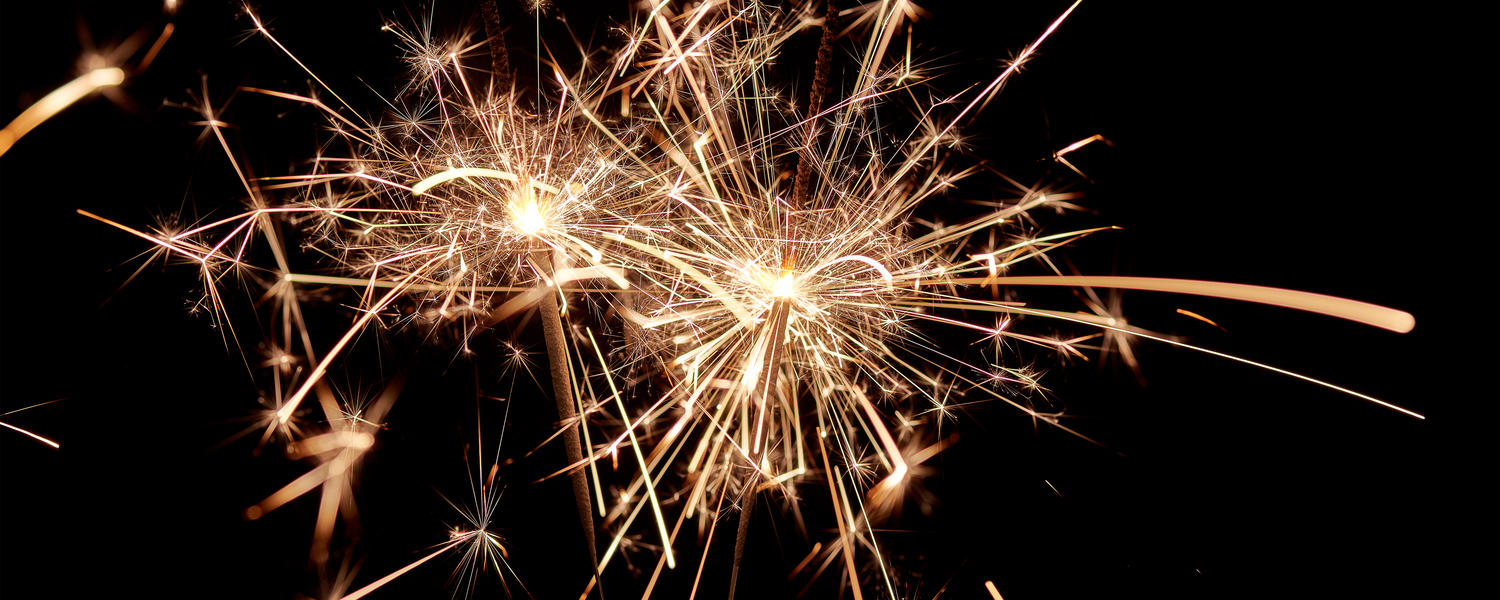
pixel 1187 313
pixel 1343 308
pixel 1232 357
pixel 365 591
pixel 53 103
pixel 33 435
pixel 317 373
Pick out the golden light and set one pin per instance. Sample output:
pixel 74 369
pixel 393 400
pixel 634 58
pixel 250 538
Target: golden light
pixel 786 287
pixel 526 215
pixel 59 99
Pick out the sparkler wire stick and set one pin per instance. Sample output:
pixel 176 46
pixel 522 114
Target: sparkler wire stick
pixel 771 364
pixel 821 67
pixel 562 394
pixel 494 31
pixel 770 367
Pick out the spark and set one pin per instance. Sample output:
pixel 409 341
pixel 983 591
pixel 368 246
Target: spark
pixel 1390 319
pixel 34 436
pixel 1187 313
pixel 56 101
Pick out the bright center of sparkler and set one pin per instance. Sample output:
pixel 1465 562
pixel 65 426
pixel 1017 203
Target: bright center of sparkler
pixel 785 287
pixel 528 217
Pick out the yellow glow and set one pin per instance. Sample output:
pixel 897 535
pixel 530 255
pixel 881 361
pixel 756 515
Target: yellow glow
pixel 785 287
pixel 527 217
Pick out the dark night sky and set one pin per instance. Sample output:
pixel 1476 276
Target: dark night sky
pixel 1342 151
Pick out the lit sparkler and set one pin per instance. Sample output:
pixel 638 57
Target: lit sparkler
pixel 764 256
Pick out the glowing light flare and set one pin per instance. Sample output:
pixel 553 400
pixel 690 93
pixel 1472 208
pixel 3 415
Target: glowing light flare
pixel 378 583
pixel 526 214
pixel 55 102
pixel 1361 312
pixel 34 436
pixel 784 287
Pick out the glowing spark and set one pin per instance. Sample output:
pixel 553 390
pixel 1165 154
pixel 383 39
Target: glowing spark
pixel 365 591
pixel 785 287
pixel 528 218
pixel 32 435
pixel 1187 313
pixel 1353 310
pixel 60 98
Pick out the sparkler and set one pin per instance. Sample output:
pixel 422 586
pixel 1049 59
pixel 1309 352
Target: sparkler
pixel 768 301
pixel 766 260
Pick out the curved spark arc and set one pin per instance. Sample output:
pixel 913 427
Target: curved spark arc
pixel 56 101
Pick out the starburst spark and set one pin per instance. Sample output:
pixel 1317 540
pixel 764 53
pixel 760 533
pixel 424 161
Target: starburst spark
pixel 764 261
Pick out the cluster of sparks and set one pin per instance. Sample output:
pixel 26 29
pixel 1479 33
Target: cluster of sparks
pixel 736 289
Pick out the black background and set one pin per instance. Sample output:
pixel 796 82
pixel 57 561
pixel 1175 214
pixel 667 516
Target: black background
pixel 1331 149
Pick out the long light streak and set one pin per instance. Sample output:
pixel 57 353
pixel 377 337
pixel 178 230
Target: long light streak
pixel 56 101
